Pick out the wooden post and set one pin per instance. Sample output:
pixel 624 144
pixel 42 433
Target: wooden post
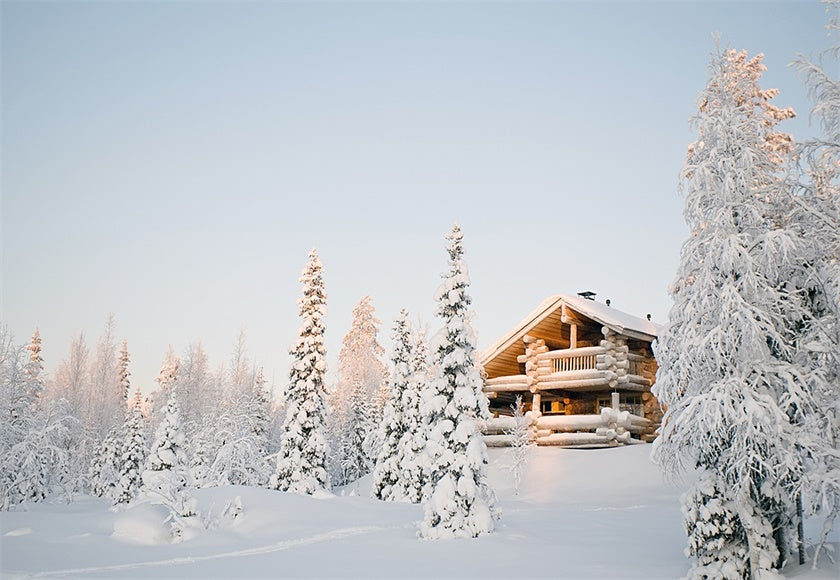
pixel 535 403
pixel 573 336
pixel 616 400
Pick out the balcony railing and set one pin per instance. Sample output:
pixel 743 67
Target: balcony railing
pixel 577 363
pixel 575 359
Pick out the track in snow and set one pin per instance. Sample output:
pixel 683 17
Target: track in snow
pixel 338 534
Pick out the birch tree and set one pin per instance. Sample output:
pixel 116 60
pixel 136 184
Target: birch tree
pixel 735 400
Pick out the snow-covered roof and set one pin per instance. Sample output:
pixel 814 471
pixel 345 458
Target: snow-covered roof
pixel 618 321
pixel 613 318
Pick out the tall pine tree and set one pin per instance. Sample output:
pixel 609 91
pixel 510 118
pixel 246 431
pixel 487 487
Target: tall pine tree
pixel 387 473
pixel 125 382
pixel 301 462
pixel 411 450
pixel 460 503
pixel 133 456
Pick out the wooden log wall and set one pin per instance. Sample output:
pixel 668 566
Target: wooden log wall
pixel 608 428
pixel 653 412
pixel 509 384
pixel 533 348
pixel 615 356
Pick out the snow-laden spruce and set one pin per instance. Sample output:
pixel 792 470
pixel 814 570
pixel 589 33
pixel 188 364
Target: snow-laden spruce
pixel 459 502
pixel 133 456
pixel 259 406
pixel 817 210
pixel 716 539
pixel 166 475
pixel 386 474
pixel 104 466
pixel 403 466
pixel 411 450
pixel 34 370
pixel 124 374
pixel 735 401
pixel 167 380
pixel 301 462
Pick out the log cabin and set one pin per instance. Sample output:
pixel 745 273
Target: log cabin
pixel 584 371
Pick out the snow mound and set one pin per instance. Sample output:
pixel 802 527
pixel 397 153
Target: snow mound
pixel 142 524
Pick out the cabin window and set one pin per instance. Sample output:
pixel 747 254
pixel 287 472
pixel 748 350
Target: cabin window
pixel 631 402
pixel 549 407
pixel 603 402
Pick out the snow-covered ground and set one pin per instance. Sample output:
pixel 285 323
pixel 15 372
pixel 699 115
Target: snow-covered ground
pixel 603 513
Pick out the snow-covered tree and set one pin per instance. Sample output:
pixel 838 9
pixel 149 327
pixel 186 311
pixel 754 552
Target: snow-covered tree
pixel 240 455
pixel 301 462
pixel 133 457
pixel 168 374
pixel 521 442
pixel 167 381
pixel 166 474
pixel 34 433
pixel 105 402
pixel 197 393
pixel 105 464
pixel 125 382
pixel 355 405
pixel 411 450
pixel 201 397
pixel 39 460
pixel 817 210
pixel 386 474
pixel 459 503
pixel 259 410
pixel 34 369
pixel 71 378
pixel 716 539
pixel 241 375
pixel 735 401
pixel 356 435
pixel 235 448
pixel 25 385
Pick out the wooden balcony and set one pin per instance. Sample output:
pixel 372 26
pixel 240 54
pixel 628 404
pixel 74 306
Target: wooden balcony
pixel 575 369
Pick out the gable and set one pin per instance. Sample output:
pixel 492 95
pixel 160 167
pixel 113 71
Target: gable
pixel 547 322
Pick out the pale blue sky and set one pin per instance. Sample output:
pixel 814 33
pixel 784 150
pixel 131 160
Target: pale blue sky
pixel 173 162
